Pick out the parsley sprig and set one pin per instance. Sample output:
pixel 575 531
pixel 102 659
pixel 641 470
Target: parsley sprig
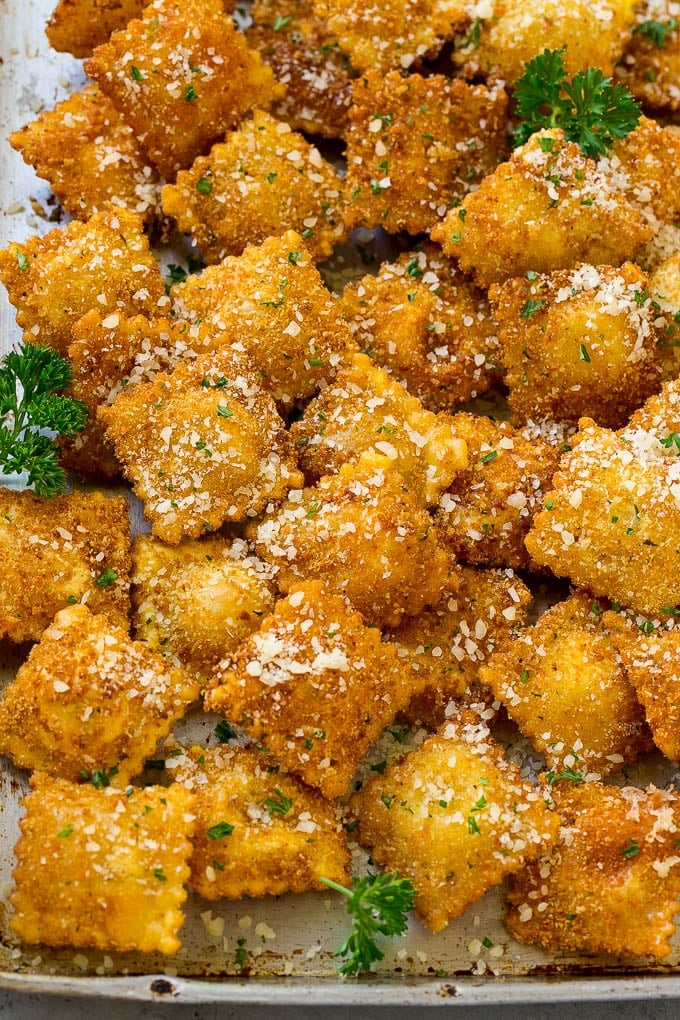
pixel 29 402
pixel 589 109
pixel 379 905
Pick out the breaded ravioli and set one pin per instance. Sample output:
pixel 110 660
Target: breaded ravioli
pixel 549 207
pixel 77 26
pixel 416 146
pixel 272 303
pixel 89 157
pixel 562 682
pixel 262 180
pixel 259 831
pixel 578 341
pixel 180 76
pixel 197 601
pixel 650 66
pixel 610 884
pixel 393 33
pixel 89 701
pixel 102 868
pixel 611 522
pixel 314 685
pixel 105 264
pixel 446 644
pixel 487 511
pixel 365 535
pixel 201 445
pixel 428 324
pixel 58 552
pixel 366 409
pixel 455 817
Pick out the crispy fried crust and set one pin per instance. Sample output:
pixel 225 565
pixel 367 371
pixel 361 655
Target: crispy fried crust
pixel 430 143
pixel 284 836
pixel 89 157
pixel 181 76
pixel 610 885
pixel 363 533
pixel 271 303
pixel 201 445
pixel 77 26
pixel 306 58
pixel 579 341
pixel 262 180
pixel 56 552
pixel 285 683
pixel 612 521
pixel 392 33
pixel 650 156
pixel 592 35
pixel 428 324
pixel 446 644
pixel 99 868
pixel 652 72
pixel 199 600
pixel 366 409
pixel 664 286
pixel 487 512
pixel 104 263
pixel 89 699
pixel 563 684
pixel 455 817
pixel 549 207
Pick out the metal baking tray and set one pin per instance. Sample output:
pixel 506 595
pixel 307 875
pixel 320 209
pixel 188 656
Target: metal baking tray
pixel 289 939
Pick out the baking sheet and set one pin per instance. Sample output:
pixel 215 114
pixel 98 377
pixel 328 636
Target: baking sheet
pixel 289 935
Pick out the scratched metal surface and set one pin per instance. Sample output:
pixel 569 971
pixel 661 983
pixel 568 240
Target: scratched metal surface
pixel 291 935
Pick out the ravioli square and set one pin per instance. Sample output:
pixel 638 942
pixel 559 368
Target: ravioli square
pixel 416 146
pixel 197 601
pixel 455 817
pixel 90 157
pixel 314 685
pixel 90 703
pixel 259 831
pixel 77 26
pixel 201 445
pixel 262 180
pixel 58 552
pixel 102 868
pixel 180 76
pixel 105 263
pixel 610 884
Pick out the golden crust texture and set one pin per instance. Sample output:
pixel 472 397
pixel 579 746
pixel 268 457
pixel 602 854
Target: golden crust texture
pixel 271 303
pixel 549 207
pixel 446 644
pixel 366 409
pixel 77 26
pixel 89 157
pixel 313 684
pixel 201 446
pixel 258 831
pixel 88 699
pixel 578 341
pixel 612 521
pixel 454 817
pixel 57 552
pixel 102 868
pixel 562 682
pixel 393 33
pixel 486 514
pixel 428 324
pixel 197 601
pixel 431 142
pixel 181 76
pixel 104 263
pixel 263 179
pixel 652 71
pixel 364 534
pixel 611 883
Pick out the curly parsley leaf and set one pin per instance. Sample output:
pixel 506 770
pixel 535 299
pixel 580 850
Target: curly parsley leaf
pixel 29 381
pixel 379 905
pixel 589 109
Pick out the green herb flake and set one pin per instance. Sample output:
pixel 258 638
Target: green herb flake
pixel 224 412
pixel 66 831
pixel 530 307
pixel 160 875
pixel 488 457
pixel 583 354
pixel 203 186
pixel 630 849
pixel 280 805
pixel 281 22
pixel 136 74
pixel 220 830
pixel 107 578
